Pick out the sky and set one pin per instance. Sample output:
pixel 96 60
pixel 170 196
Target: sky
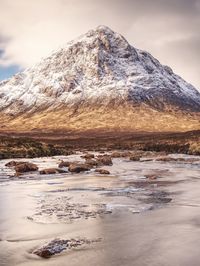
pixel 168 29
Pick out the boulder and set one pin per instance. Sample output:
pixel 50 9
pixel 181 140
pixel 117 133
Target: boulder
pixel 116 154
pixel 91 162
pixel 78 167
pixel 104 159
pixel 88 156
pixel 51 171
pixel 25 167
pixel 44 253
pixel 135 158
pixel 64 164
pixel 57 246
pixel 102 171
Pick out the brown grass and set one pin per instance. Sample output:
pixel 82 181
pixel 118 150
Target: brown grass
pixel 122 118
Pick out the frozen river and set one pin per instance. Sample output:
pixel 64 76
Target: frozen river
pixel 126 218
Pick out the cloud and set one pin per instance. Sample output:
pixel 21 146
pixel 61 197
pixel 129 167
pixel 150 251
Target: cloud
pixel 169 29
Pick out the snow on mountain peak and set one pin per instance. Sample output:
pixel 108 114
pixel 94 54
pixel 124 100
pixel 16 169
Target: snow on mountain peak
pixel 97 68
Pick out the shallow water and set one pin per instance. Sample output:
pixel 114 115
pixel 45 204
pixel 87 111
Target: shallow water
pixel 139 222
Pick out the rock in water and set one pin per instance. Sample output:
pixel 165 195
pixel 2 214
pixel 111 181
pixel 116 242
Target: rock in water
pixel 57 246
pixel 25 167
pixel 51 171
pixel 88 156
pixel 135 158
pixel 64 164
pixel 77 168
pixel 102 171
pixel 104 160
pixel 91 162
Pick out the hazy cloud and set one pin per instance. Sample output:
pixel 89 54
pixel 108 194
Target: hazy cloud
pixel 168 29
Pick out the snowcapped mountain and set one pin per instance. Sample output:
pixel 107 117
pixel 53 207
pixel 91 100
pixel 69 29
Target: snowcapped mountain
pixel 99 77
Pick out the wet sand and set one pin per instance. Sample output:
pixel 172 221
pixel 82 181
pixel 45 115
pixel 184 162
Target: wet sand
pixel 136 221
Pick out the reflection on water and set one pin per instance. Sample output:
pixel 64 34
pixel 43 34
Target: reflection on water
pixel 140 221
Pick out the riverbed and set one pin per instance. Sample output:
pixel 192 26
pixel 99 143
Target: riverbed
pixel 124 218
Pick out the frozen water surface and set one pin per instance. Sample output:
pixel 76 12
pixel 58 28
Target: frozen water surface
pixel 139 221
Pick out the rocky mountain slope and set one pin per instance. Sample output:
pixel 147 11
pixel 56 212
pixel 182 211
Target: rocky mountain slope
pixel 99 81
